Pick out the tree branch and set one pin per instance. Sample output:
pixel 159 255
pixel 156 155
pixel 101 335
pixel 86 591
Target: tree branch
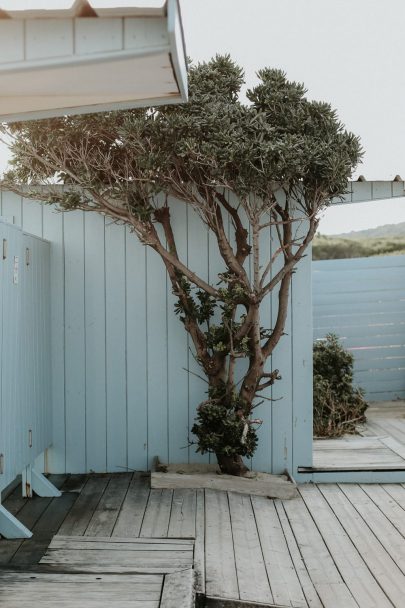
pixel 241 234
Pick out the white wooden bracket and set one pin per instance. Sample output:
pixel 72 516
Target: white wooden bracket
pixel 10 527
pixel 33 481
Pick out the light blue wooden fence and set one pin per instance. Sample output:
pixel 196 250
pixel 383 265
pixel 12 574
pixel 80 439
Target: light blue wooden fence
pixel 25 395
pixel 119 390
pixel 363 301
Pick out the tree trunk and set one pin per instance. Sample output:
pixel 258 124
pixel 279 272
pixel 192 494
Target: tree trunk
pixel 232 465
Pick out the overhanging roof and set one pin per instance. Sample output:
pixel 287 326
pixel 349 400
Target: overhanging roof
pixel 90 57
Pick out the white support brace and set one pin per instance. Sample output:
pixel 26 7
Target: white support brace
pixel 10 527
pixel 33 481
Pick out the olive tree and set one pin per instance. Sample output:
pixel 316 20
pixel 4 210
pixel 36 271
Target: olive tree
pixel 271 163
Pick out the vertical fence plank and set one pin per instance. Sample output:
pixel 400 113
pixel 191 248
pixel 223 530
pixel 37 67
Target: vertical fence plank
pixel 96 403
pixel 75 359
pixel 54 232
pixel 137 396
pixel 282 389
pixel 177 351
pixel 117 458
pixel 302 380
pixel 157 358
pixel 262 460
pixel 199 262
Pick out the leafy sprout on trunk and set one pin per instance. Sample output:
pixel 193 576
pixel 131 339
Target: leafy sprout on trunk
pixel 268 166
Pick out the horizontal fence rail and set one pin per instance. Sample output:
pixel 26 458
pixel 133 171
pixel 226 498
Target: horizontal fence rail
pixel 25 383
pixel 362 300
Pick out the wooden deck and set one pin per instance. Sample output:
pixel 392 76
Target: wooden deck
pixel 336 546
pixel 379 446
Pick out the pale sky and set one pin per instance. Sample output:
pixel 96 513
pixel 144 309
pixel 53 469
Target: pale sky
pixel 348 52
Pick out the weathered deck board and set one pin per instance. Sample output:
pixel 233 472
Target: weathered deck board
pixel 29 512
pixel 389 537
pixel 387 505
pixel 157 514
pixel 359 453
pixel 178 590
pixel 106 513
pixel 322 569
pixel 382 566
pixel 82 511
pixel 31 550
pixel 308 586
pixel 19 589
pixel 111 554
pixel 355 573
pixel 285 584
pixel 250 568
pixel 183 514
pixel 221 579
pixel 129 520
pixel 199 545
pixel 380 445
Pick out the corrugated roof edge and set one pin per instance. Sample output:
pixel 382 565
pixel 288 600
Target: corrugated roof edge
pixel 83 8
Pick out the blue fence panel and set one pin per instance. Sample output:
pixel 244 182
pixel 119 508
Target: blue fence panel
pixel 121 393
pixel 363 301
pixel 25 382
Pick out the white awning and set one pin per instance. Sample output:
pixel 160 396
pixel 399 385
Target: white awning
pixel 90 57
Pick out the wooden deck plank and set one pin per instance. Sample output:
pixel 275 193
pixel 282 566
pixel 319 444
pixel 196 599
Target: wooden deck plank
pixel 87 591
pixel 76 543
pixel 75 483
pixel 358 578
pixel 111 554
pixel 220 571
pixel 307 585
pixel 199 546
pixel 132 512
pixel 394 445
pixel 250 569
pixel 388 426
pixel 31 550
pixel 389 537
pixel 178 590
pixel 396 491
pixel 90 560
pixel 157 514
pixel 393 511
pixel 383 567
pixel 106 513
pixel 285 584
pixel 120 557
pixel 348 442
pixel 324 574
pixel 14 501
pixel 183 514
pixel 28 514
pixel 82 511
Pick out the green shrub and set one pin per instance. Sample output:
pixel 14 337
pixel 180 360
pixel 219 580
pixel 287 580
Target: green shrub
pixel 338 406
